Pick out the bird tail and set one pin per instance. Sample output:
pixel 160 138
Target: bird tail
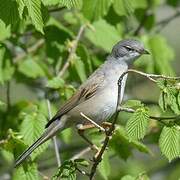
pixel 55 126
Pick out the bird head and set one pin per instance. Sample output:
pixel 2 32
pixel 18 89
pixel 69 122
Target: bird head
pixel 128 50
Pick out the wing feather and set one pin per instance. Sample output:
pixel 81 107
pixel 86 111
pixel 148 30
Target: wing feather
pixel 85 92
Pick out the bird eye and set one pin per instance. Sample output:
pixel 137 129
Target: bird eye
pixel 128 48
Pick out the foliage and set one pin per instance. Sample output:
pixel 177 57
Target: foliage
pixel 38 39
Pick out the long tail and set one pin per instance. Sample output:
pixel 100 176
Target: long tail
pixel 57 125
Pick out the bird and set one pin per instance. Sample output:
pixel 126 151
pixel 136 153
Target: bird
pixel 96 98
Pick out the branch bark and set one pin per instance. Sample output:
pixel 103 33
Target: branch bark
pixel 72 51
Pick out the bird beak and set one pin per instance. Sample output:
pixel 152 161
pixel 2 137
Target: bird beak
pixel 145 51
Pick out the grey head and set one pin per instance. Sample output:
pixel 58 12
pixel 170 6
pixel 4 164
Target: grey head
pixel 128 50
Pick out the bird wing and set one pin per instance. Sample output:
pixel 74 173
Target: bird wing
pixel 85 92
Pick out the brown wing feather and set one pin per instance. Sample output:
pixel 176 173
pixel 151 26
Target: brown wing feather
pixel 85 92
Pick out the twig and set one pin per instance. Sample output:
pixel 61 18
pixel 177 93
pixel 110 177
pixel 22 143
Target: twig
pixel 130 110
pixel 72 51
pixel 8 95
pixel 31 49
pixel 151 77
pixel 93 122
pixel 44 177
pixel 54 138
pixel 81 153
pixel 166 21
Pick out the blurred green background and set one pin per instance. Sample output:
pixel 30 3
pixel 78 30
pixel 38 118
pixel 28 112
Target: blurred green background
pixel 36 38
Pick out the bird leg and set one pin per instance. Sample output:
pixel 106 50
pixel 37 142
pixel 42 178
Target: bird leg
pixel 81 128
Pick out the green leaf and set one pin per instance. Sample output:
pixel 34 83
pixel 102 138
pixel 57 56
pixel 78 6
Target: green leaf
pixel 14 144
pixel 5 31
pixel 137 125
pixel 9 12
pixel 162 55
pixel 71 3
pixel 67 135
pixel 82 162
pixel 133 104
pixel 21 6
pixel 139 4
pixel 51 2
pixel 35 13
pixel 128 177
pixel 103 29
pixel 80 69
pixel 123 146
pixel 2 103
pixel 95 9
pixel 169 95
pixel 6 65
pixel 66 171
pixel 123 7
pixel 32 128
pixel 27 172
pixel 31 68
pixel 104 167
pixel 169 142
pixel 55 83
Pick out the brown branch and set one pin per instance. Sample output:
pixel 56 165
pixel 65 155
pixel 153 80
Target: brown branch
pixel 31 49
pixel 81 153
pixel 109 132
pixel 130 110
pixel 54 138
pixel 166 21
pixel 72 51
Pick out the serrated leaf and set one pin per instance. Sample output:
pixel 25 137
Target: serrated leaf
pixel 137 125
pixel 169 95
pixel 35 13
pixel 32 128
pixel 169 142
pixel 66 171
pixel 104 167
pixel 95 9
pixel 14 144
pixel 21 6
pixel 71 3
pixel 27 172
pixel 55 83
pixel 103 29
pixel 5 31
pixel 9 12
pixel 31 68
pixel 6 65
pixel 133 104
pixel 123 7
pixel 162 101
pixel 123 146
